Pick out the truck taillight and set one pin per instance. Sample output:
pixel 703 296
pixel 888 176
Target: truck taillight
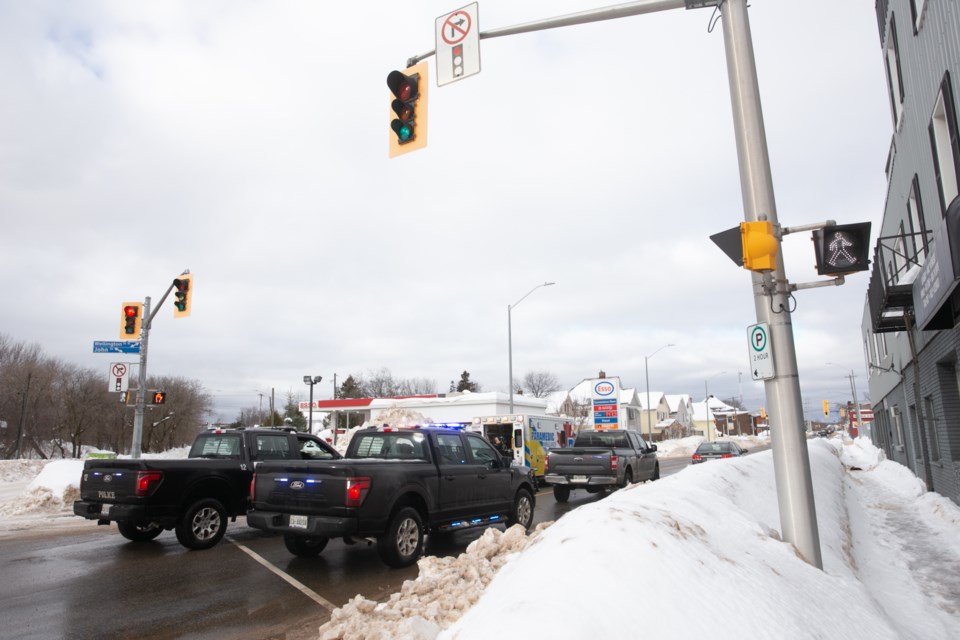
pixel 147 482
pixel 357 490
pixel 546 464
pixel 253 486
pixel 614 461
pixel 696 457
pixel 727 455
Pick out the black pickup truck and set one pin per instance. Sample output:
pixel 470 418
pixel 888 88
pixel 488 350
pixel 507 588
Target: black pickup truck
pixel 393 486
pixel 194 496
pixel 601 460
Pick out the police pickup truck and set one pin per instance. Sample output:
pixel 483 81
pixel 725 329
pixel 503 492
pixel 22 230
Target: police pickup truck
pixel 601 460
pixel 194 496
pixel 393 486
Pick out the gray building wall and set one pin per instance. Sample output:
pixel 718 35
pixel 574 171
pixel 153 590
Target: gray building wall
pixel 925 55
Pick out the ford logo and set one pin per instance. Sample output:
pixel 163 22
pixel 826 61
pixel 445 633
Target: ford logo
pixel 296 485
pixel 578 459
pixel 108 478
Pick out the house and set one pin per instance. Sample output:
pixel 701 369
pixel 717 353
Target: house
pixel 705 417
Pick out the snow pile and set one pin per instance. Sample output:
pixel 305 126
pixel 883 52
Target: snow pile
pixel 682 448
pixel 20 470
pixel 443 591
pixel 53 490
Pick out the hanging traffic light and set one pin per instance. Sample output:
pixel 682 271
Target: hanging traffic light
pixel 842 248
pixel 760 245
pixel 182 291
pixel 131 316
pixel 408 109
pixel 159 397
pixel 826 408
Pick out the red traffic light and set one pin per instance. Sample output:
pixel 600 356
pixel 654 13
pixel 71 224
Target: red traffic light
pixel 403 86
pixel 130 311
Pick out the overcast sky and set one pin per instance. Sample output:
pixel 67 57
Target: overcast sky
pixel 247 141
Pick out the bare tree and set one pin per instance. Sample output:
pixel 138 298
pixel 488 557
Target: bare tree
pixel 539 383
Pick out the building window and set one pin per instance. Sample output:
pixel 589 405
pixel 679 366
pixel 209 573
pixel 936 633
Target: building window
pixel 944 144
pixel 918 227
pixel 916 13
pixel 899 256
pixel 897 426
pixel 894 78
pixel 931 417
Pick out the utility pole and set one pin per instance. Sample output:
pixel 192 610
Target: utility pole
pixel 23 411
pixel 142 380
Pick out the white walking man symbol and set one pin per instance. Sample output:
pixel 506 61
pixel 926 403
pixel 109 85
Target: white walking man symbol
pixel 838 248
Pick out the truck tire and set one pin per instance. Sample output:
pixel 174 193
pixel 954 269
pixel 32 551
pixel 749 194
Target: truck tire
pixel 402 544
pixel 561 493
pixel 656 472
pixel 139 531
pixel 304 546
pixel 202 525
pixel 522 512
pixel 627 478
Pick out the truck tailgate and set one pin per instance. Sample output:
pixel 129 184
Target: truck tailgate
pixel 301 487
pixel 580 461
pixel 112 481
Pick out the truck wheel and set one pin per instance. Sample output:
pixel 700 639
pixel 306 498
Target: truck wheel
pixel 202 525
pixel 139 531
pixel 402 544
pixel 627 478
pixel 561 493
pixel 304 546
pixel 656 472
pixel 522 512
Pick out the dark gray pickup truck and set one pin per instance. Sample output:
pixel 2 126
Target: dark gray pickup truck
pixel 601 460
pixel 393 486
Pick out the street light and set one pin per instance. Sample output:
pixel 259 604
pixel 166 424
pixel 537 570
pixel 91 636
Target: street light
pixel 510 335
pixel 311 381
pixel 853 390
pixel 706 400
pixel 646 374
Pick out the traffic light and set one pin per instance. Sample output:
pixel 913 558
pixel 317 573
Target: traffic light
pixel 182 291
pixel 760 245
pixel 130 318
pixel 159 397
pixel 408 109
pixel 826 408
pixel 842 248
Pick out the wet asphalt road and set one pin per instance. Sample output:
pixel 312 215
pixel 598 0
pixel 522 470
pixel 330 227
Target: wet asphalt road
pixel 86 581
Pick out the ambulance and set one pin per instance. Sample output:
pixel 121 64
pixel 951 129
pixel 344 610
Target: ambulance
pixel 529 438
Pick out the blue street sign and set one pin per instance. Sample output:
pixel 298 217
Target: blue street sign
pixel 116 346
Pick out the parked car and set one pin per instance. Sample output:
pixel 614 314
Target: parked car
pixel 195 496
pixel 713 450
pixel 601 460
pixel 394 486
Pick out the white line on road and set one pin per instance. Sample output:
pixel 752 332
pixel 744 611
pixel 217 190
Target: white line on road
pixel 304 589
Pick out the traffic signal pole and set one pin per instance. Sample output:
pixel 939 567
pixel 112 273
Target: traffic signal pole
pixel 141 382
pixel 771 290
pixel 791 461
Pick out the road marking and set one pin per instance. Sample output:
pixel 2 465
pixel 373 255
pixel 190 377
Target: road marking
pixel 304 589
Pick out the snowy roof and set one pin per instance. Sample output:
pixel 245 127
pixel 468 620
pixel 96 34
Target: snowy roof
pixel 655 397
pixel 673 401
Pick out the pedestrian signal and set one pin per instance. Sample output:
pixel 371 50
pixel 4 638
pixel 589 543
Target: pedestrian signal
pixel 159 397
pixel 131 316
pixel 842 248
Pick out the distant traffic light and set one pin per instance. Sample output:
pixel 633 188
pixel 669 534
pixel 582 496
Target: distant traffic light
pixel 159 397
pixel 842 248
pixel 826 408
pixel 182 290
pixel 408 109
pixel 130 319
pixel 760 245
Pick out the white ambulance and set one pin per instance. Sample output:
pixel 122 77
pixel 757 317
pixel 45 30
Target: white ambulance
pixel 528 438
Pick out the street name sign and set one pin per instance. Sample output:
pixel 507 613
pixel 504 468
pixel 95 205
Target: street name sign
pixel 761 353
pixel 458 44
pixel 116 346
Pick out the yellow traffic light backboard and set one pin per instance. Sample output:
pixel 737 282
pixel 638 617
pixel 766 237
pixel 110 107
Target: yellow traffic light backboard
pixel 408 109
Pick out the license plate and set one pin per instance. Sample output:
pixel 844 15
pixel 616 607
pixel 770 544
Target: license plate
pixel 298 522
pixel 105 509
pixel 578 479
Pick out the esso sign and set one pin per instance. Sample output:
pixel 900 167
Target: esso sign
pixel 603 388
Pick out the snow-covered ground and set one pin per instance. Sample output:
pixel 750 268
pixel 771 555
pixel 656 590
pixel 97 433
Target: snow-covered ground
pixel 694 555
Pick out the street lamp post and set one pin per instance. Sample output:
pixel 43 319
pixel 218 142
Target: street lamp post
pixel 310 382
pixel 510 335
pixel 706 401
pixel 646 375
